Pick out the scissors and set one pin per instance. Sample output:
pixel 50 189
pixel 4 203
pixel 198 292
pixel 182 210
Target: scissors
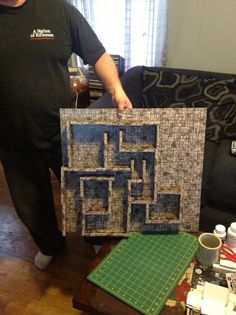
pixel 227 253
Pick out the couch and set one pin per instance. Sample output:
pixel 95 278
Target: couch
pixel 168 87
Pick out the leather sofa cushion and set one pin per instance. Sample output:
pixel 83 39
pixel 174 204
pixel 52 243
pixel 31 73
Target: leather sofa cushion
pixel 210 152
pixel 222 190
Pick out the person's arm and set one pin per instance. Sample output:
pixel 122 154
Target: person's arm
pixel 106 70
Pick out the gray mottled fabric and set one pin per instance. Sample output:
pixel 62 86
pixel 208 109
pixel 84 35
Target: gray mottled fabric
pixel 166 87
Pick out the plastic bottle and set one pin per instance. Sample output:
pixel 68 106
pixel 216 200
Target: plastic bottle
pixel 220 231
pixel 231 235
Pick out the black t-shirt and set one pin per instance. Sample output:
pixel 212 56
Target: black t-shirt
pixel 36 41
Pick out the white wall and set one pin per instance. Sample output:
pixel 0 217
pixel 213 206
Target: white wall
pixel 202 35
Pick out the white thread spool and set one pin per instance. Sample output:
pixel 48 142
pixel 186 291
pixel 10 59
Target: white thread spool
pixel 220 231
pixel 231 235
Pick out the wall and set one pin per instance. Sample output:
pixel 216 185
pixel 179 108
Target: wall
pixel 202 35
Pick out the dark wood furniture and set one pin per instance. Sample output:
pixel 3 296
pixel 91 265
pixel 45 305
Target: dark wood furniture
pixel 90 298
pixel 83 99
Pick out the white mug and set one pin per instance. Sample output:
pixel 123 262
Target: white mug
pixel 208 249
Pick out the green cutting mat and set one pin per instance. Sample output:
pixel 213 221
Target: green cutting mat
pixel 143 270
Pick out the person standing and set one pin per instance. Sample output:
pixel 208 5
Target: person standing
pixel 37 38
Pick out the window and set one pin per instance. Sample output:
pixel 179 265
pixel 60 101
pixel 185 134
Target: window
pixel 134 29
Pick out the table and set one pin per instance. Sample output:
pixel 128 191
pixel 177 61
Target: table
pixel 90 298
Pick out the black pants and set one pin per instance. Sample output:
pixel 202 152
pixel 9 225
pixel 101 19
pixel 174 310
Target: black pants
pixel 29 183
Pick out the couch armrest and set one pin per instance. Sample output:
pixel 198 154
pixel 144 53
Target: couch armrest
pixel 210 152
pixel 223 178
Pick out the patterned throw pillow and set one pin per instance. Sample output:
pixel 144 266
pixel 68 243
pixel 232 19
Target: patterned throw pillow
pixel 166 87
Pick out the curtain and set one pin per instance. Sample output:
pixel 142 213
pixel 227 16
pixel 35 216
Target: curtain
pixel 134 29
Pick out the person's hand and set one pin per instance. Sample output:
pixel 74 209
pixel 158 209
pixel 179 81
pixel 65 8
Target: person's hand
pixel 106 71
pixel 120 100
